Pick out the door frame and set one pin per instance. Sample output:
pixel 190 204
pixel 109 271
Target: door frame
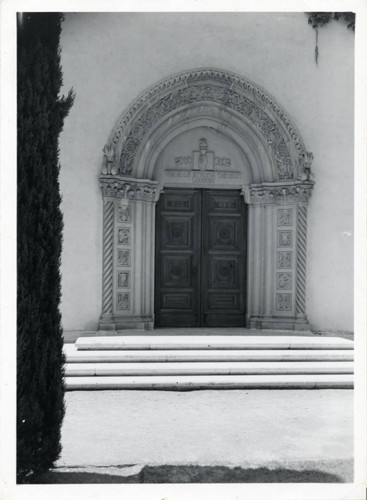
pixel 199 210
pixel 274 179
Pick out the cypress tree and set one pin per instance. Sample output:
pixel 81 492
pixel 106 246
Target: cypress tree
pixel 40 361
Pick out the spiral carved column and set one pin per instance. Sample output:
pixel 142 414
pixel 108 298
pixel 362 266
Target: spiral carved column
pixel 107 288
pixel 301 261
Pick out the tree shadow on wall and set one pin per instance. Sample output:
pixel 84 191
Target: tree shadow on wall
pixel 195 474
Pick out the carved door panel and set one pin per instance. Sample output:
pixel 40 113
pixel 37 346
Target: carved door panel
pixel 200 258
pixel 177 258
pixel 223 259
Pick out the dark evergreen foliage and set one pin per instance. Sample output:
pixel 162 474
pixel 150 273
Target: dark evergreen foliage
pixel 41 111
pixel 319 19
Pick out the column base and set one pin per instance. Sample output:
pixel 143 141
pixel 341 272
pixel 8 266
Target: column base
pixel 279 323
pixel 116 323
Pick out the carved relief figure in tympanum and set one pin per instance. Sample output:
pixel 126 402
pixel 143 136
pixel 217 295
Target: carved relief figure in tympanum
pixel 202 156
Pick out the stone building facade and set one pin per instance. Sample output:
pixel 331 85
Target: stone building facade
pixel 207 173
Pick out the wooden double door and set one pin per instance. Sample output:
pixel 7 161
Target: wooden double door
pixel 200 258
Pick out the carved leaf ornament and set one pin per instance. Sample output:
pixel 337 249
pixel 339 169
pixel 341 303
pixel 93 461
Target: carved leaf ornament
pixel 207 86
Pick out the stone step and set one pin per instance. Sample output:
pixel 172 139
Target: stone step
pixel 133 356
pixel 214 368
pixel 219 342
pixel 191 382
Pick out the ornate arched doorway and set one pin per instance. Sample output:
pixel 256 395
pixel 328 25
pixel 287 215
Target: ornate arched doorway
pixel 206 131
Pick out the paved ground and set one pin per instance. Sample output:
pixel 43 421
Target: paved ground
pixel 111 431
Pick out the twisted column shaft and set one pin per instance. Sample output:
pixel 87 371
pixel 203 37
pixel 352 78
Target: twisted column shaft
pixel 107 288
pixel 301 260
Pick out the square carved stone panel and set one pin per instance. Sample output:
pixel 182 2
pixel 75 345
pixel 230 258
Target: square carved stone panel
pixel 285 216
pixel 176 270
pixel 123 301
pixel 177 232
pixel 223 272
pixel 123 279
pixel 284 281
pixel 123 258
pixel 284 238
pixel 223 234
pixel 283 301
pixel 284 260
pixel 124 214
pixel 124 236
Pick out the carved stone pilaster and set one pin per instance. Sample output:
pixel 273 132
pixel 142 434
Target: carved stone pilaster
pixel 108 233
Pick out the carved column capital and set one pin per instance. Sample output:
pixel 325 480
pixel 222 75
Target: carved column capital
pixel 277 193
pixel 131 189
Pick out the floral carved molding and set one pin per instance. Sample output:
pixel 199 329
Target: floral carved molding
pixel 272 194
pixel 114 187
pixel 214 87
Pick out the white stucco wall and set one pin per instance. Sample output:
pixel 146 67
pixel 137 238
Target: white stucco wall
pixel 110 58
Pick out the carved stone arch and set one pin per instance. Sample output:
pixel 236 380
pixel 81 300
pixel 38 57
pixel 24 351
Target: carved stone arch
pixel 225 90
pixel 272 171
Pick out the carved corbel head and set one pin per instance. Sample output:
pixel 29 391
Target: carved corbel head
pixel 305 160
pixel 109 154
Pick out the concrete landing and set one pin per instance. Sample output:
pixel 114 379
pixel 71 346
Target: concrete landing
pixel 291 429
pixel 214 342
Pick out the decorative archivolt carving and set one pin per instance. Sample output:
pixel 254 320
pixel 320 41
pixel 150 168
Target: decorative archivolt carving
pixel 210 93
pixel 270 194
pixel 212 86
pixel 131 190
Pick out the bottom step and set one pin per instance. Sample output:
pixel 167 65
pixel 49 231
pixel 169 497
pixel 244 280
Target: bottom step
pixel 212 382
